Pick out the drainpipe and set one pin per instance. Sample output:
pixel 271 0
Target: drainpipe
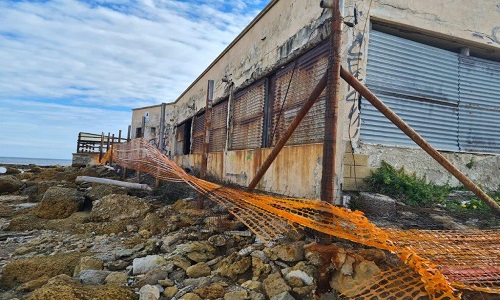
pixel 332 100
pixel 206 133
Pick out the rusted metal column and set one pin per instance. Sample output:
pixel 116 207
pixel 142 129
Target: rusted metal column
pixel 419 140
pixel 332 106
pixel 161 143
pixel 206 132
pixel 289 131
pixel 128 132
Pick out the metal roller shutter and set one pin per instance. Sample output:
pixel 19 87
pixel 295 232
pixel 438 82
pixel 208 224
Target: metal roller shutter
pixel 419 83
pixel 198 130
pixel 179 137
pixel 479 114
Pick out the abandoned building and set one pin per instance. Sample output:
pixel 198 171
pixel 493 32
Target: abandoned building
pixel 436 64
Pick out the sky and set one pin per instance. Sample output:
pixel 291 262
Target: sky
pixel 70 66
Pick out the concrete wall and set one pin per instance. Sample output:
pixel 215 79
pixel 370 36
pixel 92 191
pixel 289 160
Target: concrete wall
pixel 154 121
pixel 286 29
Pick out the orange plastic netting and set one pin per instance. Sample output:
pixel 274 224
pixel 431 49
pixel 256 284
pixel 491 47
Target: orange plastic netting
pixel 437 263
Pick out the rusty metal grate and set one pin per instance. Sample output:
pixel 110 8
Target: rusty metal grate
pixel 198 129
pixel 304 74
pixel 218 130
pixel 248 117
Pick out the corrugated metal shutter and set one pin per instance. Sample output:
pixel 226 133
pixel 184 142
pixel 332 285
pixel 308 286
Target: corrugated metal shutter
pixel 179 137
pixel 218 130
pixel 479 114
pixel 248 117
pixel 198 131
pixel 306 72
pixel 419 83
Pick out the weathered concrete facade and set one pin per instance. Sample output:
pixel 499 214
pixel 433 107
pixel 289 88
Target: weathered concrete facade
pixel 146 123
pixel 286 30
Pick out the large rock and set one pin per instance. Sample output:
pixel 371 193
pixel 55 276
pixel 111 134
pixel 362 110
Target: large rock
pixel 274 285
pixel 9 184
pixel 291 252
pixel 24 270
pixel 149 292
pixel 198 270
pixel 119 207
pixel 233 265
pixel 376 205
pixel 197 251
pixel 93 277
pixel 214 291
pixel 64 287
pixel 143 265
pixel 347 285
pixel 59 203
pixel 99 191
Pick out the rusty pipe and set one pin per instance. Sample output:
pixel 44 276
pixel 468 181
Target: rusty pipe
pixel 419 140
pixel 289 131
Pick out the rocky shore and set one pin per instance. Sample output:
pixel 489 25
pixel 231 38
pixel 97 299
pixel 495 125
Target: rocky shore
pixel 63 240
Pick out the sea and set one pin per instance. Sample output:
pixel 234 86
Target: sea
pixel 34 161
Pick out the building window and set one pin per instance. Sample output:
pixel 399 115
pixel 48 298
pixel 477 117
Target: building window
pixel 138 132
pixel 153 131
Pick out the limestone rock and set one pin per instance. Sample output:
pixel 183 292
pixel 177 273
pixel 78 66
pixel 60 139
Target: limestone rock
pixel 198 270
pixel 166 282
pixel 153 223
pixel 190 296
pixel 274 285
pixel 99 191
pixel 24 270
pixel 283 296
pixel 116 278
pixel 292 252
pixel 9 184
pixel 119 207
pixel 197 251
pixel 152 277
pixel 260 269
pixel 214 291
pixel 253 285
pixel 236 295
pixel 91 263
pixel 63 287
pixel 149 292
pixel 170 291
pixel 93 277
pixel 59 203
pixel 180 262
pixel 232 266
pixel 363 271
pixel 144 264
pixel 376 205
pixel 301 275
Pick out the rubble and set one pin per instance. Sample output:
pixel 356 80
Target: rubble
pixel 127 247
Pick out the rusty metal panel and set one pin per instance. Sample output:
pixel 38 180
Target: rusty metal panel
pixel 290 88
pixel 218 131
pixel 179 139
pixel 418 82
pixel 248 117
pixel 479 113
pixel 198 129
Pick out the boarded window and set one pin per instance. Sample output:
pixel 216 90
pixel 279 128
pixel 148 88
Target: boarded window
pixel 290 89
pixel 248 117
pixel 218 130
pixel 198 129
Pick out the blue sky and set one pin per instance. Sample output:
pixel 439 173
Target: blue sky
pixel 68 66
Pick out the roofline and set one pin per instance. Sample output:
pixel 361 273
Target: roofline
pixel 151 106
pixel 238 37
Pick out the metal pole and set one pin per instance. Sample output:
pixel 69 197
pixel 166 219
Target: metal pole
pixel 332 107
pixel 119 136
pixel 289 131
pixel 143 133
pixel 161 143
pixel 128 132
pixel 101 146
pixel 111 149
pixel 206 132
pixel 412 134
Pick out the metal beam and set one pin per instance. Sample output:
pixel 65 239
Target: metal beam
pixel 419 140
pixel 289 131
pixel 206 132
pixel 332 107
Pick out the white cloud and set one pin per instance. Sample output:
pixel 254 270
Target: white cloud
pixel 108 54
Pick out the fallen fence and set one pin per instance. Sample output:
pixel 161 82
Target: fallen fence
pixel 436 263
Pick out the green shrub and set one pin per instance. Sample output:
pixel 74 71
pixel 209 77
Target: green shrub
pixel 405 187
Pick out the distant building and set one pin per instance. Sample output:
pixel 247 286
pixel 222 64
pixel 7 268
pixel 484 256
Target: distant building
pixel 435 63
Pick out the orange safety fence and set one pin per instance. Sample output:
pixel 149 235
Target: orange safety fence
pixel 436 263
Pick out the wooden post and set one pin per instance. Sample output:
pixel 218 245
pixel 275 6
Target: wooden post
pixel 111 151
pixel 101 146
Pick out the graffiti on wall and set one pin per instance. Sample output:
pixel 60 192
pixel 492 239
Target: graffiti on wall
pixel 354 61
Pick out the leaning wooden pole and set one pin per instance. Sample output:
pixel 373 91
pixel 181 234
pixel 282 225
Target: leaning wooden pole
pixel 419 140
pixel 289 131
